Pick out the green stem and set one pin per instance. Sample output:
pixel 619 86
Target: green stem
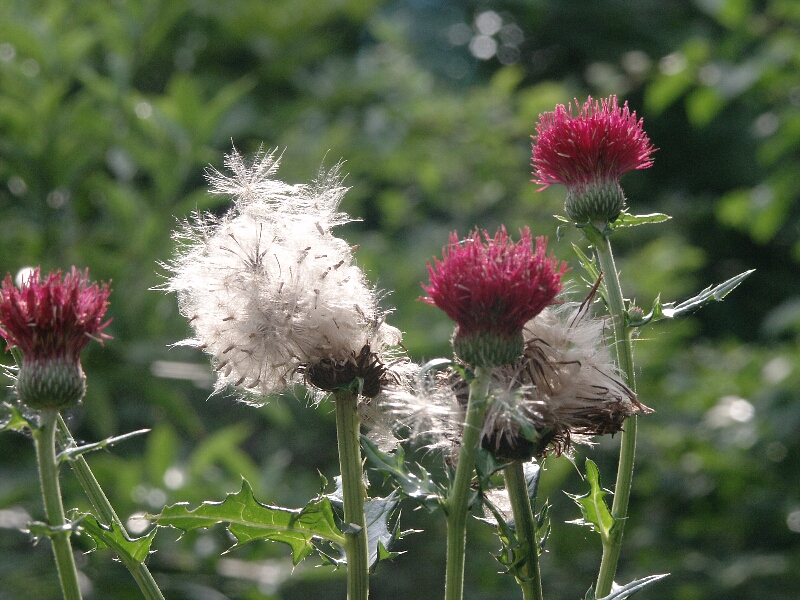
pixel 348 428
pixel 622 342
pixel 525 528
pixel 45 442
pixel 458 500
pixel 106 514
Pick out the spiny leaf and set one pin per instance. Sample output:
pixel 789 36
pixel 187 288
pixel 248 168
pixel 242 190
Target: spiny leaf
pixel 629 590
pixel 710 294
pixel 74 452
pixel 589 264
pixel 418 487
pixel 250 520
pixel 381 534
pixel 112 536
pixel 592 504
pixel 512 554
pixel 378 513
pixel 543 527
pixel 14 421
pixel 487 465
pixel 40 529
pixel 625 219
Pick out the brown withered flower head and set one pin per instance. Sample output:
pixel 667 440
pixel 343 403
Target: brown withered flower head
pixel 564 389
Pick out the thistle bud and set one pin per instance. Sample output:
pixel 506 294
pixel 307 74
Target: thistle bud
pixel 589 153
pixel 51 322
pixel 491 287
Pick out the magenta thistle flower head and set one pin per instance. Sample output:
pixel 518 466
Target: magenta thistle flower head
pixel 588 153
pixel 491 287
pixel 51 321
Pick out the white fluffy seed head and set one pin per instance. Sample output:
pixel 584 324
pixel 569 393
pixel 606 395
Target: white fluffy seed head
pixel 268 288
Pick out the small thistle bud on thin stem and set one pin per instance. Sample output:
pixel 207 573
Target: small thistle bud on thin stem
pixel 50 322
pixel 588 153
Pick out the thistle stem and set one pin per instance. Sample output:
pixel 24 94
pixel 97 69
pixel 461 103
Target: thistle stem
pixel 458 499
pixel 356 549
pixel 525 528
pixel 45 442
pixel 623 344
pixel 106 514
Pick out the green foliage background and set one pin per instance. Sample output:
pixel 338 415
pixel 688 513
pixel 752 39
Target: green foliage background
pixel 111 111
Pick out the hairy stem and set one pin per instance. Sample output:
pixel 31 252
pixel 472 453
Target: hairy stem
pixel 348 428
pixel 105 513
pixel 458 499
pixel 623 344
pixel 525 528
pixel 45 442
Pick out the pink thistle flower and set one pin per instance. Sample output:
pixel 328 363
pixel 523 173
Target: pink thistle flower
pixel 589 153
pixel 491 287
pixel 51 322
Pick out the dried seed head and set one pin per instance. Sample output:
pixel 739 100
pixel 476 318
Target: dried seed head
pixel 274 296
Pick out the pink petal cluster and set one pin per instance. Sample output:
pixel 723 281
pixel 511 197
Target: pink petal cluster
pixel 53 319
pixel 493 285
pixel 598 145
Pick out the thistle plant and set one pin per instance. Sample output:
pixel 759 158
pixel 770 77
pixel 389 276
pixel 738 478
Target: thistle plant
pixel 532 372
pixel 490 287
pixel 46 324
pixel 588 149
pixel 563 389
pixel 588 153
pixel 49 323
pixel 276 300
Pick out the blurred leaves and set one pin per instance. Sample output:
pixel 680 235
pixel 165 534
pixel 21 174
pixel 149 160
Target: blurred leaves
pixel 110 112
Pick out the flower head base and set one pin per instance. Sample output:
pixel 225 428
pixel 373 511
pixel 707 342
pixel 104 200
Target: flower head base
pixel 271 294
pixel 589 153
pixel 51 322
pixel 491 287
pixel 363 373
